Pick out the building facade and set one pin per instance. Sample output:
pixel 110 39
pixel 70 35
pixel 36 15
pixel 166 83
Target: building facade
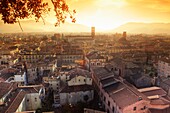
pixel 116 96
pixel 164 67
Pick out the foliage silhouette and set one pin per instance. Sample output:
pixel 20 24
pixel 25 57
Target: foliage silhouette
pixel 11 11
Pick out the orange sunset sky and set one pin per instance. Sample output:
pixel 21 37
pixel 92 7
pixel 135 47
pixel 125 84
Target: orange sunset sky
pixel 109 14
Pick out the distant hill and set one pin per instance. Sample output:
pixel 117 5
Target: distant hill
pixel 32 26
pixel 132 27
pixel 148 28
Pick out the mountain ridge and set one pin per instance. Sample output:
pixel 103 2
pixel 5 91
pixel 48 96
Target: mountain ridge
pixel 147 28
pixel 130 27
pixel 32 26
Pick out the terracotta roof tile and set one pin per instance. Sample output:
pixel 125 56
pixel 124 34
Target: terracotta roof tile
pixel 15 104
pixel 5 88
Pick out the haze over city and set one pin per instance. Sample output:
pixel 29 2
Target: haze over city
pixel 103 56
pixel 105 15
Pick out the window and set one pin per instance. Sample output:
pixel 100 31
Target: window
pixel 27 100
pixel 98 64
pixel 144 107
pixel 92 64
pixel 84 80
pixel 108 103
pixel 35 99
pixel 134 109
pixel 113 109
pixel 104 98
pixel 55 98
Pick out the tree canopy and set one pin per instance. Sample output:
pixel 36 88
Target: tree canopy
pixel 12 11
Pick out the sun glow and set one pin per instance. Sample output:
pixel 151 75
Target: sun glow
pixel 101 23
pixel 109 14
pixel 103 18
pixel 116 3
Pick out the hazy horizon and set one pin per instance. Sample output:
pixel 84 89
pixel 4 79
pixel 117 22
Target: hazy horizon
pixel 105 15
pixel 130 27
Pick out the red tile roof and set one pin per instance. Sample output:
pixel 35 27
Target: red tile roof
pixel 17 101
pixel 5 88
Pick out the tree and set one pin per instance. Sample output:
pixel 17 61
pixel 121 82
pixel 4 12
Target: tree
pixel 12 11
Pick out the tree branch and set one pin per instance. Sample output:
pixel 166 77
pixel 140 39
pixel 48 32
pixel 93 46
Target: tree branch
pixel 19 24
pixel 43 20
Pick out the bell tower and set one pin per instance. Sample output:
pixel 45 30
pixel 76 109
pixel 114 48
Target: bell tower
pixel 93 32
